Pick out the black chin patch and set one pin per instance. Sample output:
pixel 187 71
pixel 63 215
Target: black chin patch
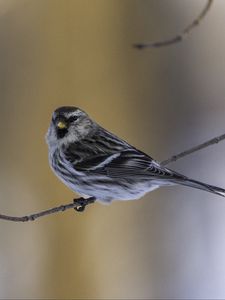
pixel 61 132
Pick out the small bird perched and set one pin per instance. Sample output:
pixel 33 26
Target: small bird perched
pixel 94 162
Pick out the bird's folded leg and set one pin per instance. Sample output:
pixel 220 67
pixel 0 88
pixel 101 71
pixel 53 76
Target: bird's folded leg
pixel 82 203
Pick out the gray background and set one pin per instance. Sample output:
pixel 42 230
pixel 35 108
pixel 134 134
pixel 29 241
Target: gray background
pixel 171 243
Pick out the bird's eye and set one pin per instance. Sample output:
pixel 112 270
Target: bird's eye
pixel 72 119
pixel 61 125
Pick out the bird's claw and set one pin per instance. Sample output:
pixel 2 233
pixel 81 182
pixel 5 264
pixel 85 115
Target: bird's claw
pixel 82 203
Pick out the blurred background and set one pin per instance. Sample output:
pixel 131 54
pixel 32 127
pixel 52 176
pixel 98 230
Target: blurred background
pixel 169 244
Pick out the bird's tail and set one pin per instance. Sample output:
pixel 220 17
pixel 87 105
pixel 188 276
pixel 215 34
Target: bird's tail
pixel 203 186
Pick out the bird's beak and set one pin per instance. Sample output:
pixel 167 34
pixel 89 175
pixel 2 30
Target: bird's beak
pixel 61 125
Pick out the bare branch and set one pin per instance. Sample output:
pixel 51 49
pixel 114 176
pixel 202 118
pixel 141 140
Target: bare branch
pixel 179 37
pixel 78 204
pixel 194 149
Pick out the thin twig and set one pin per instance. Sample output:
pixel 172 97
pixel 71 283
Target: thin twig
pixel 80 203
pixel 179 37
pixel 194 149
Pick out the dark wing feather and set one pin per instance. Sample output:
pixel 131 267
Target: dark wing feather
pixel 107 155
pixel 139 166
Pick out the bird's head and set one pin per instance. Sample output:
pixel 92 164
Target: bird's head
pixel 69 124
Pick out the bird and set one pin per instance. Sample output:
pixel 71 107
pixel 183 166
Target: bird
pixel 94 162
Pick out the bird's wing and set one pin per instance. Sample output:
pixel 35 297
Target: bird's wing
pixel 117 160
pixel 126 164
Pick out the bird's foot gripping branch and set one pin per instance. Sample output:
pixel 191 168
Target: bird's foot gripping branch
pixel 81 203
